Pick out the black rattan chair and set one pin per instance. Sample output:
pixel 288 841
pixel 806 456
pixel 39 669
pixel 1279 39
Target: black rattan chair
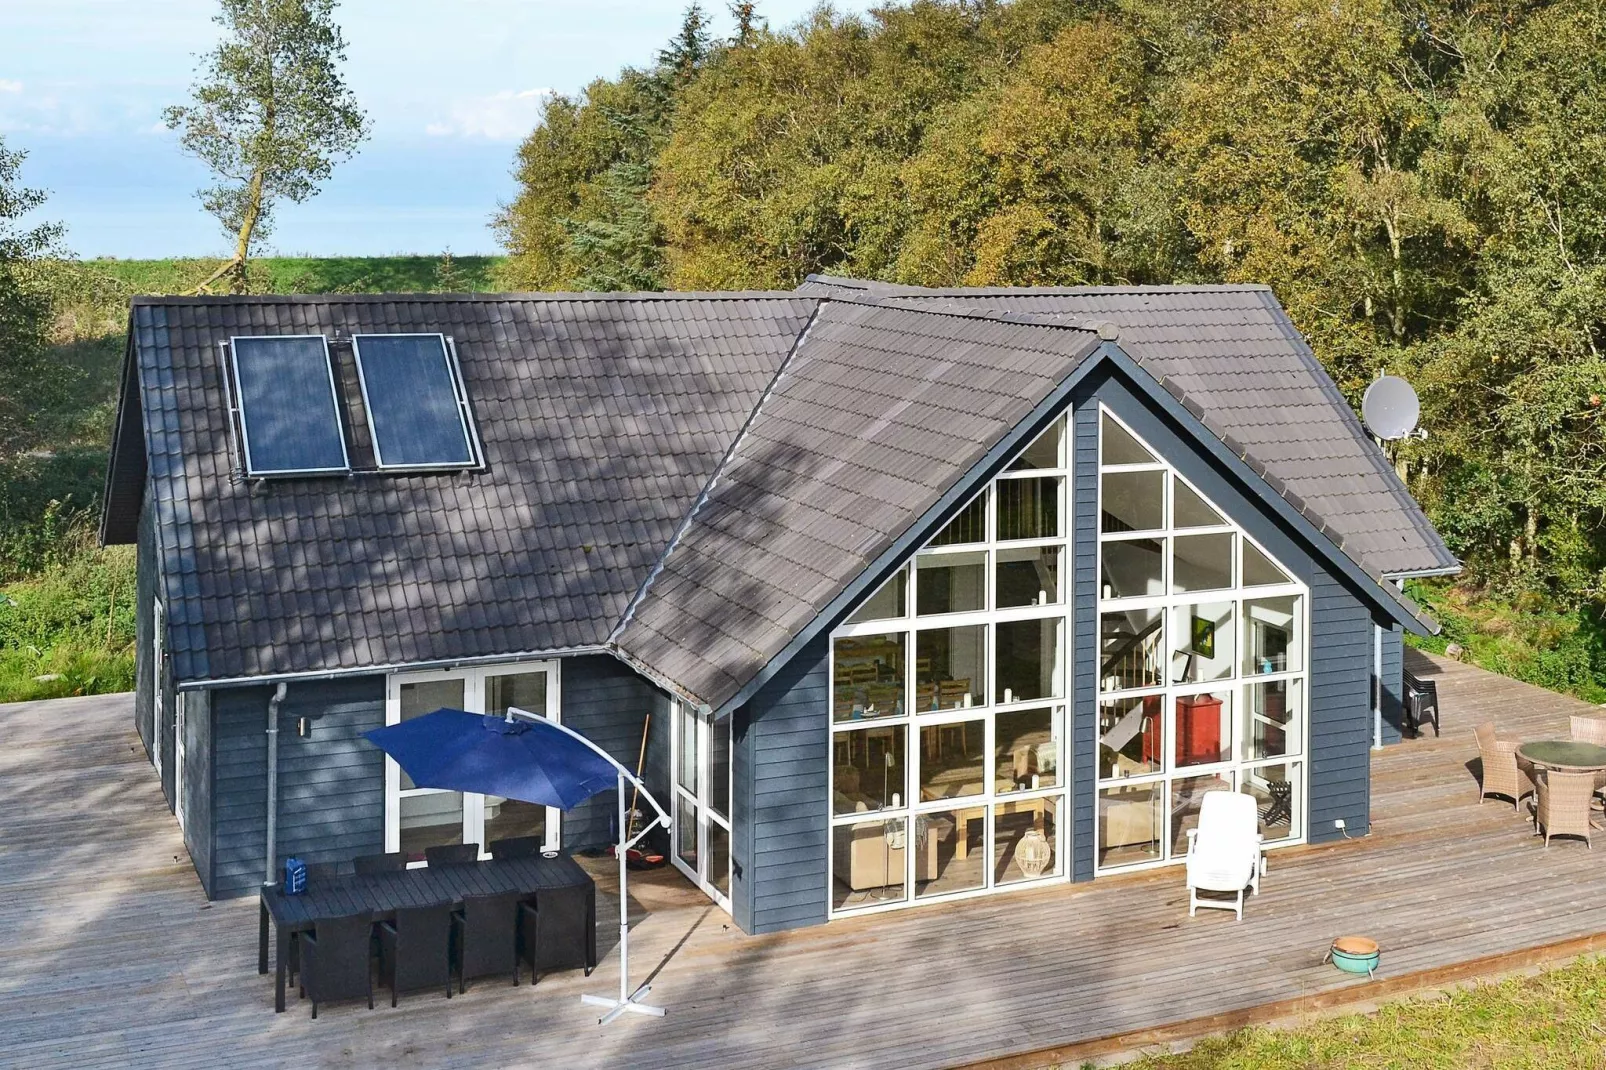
pixel 335 960
pixel 556 933
pixel 486 936
pixel 518 847
pixel 1421 703
pixel 415 950
pixel 452 854
pixel 368 865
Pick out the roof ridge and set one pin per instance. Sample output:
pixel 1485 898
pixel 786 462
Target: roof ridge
pixel 1103 328
pixel 506 297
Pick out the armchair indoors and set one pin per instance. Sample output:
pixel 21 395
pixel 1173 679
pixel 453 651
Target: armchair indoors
pixel 1224 851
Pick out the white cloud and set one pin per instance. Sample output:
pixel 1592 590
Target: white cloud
pixel 10 85
pixel 506 116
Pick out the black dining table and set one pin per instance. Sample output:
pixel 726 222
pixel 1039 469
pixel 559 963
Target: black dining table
pixel 385 893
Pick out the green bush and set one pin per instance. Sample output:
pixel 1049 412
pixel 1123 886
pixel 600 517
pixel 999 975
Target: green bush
pixel 72 625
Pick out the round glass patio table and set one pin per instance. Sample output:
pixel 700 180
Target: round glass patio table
pixel 1565 755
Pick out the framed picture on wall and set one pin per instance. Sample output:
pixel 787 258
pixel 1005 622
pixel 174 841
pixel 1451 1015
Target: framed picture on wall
pixel 1202 637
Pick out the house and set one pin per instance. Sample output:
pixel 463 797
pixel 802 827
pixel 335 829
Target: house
pixel 899 595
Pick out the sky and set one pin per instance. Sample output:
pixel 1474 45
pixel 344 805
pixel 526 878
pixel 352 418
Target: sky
pixel 451 87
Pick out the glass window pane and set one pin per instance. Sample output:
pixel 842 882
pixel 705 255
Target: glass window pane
pixel 1271 715
pixel 949 846
pixel 1117 446
pixel 1027 659
pixel 1029 576
pixel 888 601
pixel 686 831
pixel 687 766
pixel 1259 570
pixel 1202 643
pixel 719 858
pixel 950 583
pixel 1276 788
pixel 1187 796
pixel 969 526
pixel 951 760
pixel 1201 563
pixel 1023 840
pixel 1132 568
pixel 1044 452
pixel 430 819
pixel 1130 823
pixel 1026 749
pixel 868 770
pixel 1273 635
pixel 1188 510
pixel 868 676
pixel 508 818
pixel 524 690
pixel 950 668
pixel 1131 736
pixel 1028 508
pixel 423 697
pixel 1132 501
pixel 719 767
pixel 1203 730
pixel 1130 649
pixel 868 863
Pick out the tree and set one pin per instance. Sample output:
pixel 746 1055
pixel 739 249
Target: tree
pixel 28 377
pixel 271 115
pixel 749 23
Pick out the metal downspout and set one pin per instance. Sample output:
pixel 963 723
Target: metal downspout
pixel 271 862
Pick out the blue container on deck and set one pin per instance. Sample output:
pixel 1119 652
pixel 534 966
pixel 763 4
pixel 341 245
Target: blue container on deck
pixel 295 876
pixel 1355 954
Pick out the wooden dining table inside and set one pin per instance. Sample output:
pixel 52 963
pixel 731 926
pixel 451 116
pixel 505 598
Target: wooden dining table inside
pixel 385 893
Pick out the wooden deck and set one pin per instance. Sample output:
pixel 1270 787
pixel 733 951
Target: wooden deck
pixel 112 957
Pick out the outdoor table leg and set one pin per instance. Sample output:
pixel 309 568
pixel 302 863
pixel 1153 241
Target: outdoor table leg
pixel 281 958
pixel 262 937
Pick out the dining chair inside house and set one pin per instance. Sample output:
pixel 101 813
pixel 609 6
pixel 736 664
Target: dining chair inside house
pixel 335 959
pixel 452 854
pixel 485 934
pixel 553 932
pixel 389 862
pixel 517 847
pixel 415 950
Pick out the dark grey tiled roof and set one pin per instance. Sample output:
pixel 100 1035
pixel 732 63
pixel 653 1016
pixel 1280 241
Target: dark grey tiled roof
pixel 880 411
pixel 602 418
pixel 1233 351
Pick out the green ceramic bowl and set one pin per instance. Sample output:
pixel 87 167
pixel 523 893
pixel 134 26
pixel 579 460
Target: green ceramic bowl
pixel 1356 963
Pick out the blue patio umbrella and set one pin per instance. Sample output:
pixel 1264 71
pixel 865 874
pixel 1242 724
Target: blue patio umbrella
pixel 531 759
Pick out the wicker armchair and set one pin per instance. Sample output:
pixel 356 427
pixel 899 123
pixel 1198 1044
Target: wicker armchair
pixel 1591 730
pixel 1501 772
pixel 1563 806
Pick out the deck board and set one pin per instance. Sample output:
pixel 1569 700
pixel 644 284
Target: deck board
pixel 115 958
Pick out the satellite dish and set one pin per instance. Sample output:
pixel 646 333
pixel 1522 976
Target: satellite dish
pixel 1390 407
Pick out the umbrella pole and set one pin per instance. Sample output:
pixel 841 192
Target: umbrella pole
pixel 627 1001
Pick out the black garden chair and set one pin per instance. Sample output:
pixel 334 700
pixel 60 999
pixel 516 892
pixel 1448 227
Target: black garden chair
pixel 368 865
pixel 555 932
pixel 518 847
pixel 335 959
pixel 485 932
pixel 452 854
pixel 415 950
pixel 1421 703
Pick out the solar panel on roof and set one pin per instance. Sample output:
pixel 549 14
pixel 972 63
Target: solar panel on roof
pixel 415 403
pixel 285 389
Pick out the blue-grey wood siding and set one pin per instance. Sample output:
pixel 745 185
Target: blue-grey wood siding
pixel 1084 635
pixel 144 601
pixel 781 750
pixel 1341 624
pixel 607 702
pixel 1393 682
pixel 331 783
pixel 198 780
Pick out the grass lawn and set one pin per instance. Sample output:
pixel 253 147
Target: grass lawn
pixel 300 274
pixel 1556 1019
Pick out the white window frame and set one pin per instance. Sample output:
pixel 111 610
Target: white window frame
pixel 158 712
pixel 1238 685
pixel 704 813
pixel 911 622
pixel 474 680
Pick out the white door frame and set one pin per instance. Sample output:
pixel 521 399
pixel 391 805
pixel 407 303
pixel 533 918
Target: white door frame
pixel 473 680
pixel 705 814
pixel 180 717
pixel 158 713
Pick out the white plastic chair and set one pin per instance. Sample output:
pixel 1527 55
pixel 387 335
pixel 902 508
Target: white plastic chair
pixel 1224 851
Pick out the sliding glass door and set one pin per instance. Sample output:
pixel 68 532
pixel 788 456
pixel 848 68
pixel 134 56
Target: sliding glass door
pixel 701 803
pixel 416 817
